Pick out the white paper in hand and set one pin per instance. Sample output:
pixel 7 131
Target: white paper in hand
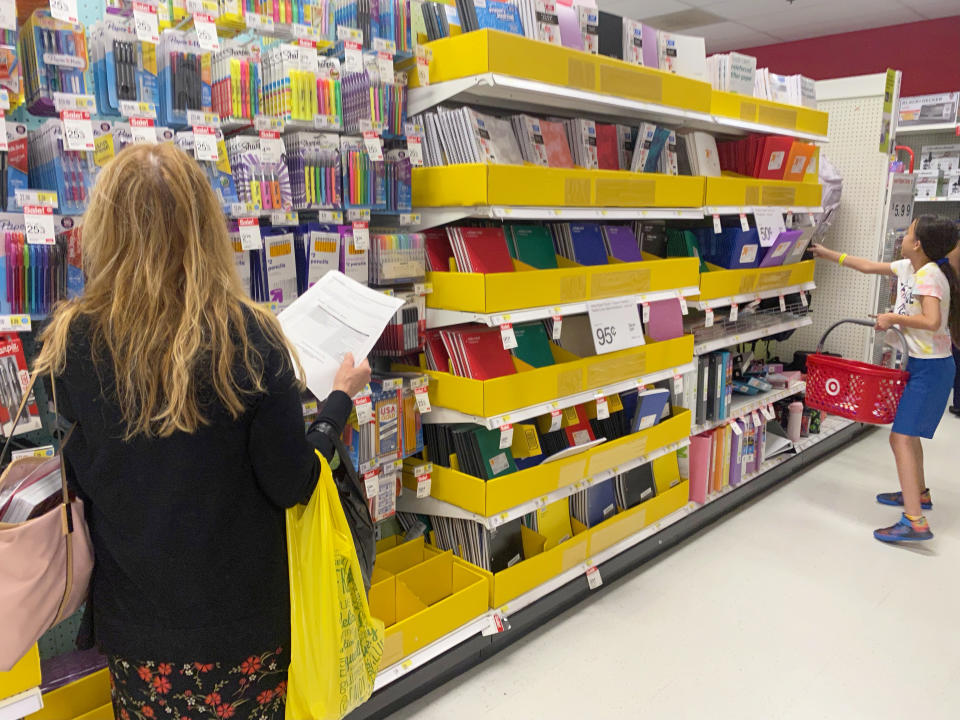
pixel 335 316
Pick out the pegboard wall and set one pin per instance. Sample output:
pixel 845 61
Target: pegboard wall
pixel 858 225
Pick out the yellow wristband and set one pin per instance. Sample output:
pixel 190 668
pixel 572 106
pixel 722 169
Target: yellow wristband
pixel 843 256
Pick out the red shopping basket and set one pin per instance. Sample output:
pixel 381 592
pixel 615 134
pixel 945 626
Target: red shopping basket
pixel 855 390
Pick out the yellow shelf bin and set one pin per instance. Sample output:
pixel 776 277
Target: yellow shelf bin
pixel 478 184
pixel 721 283
pixel 537 568
pixel 21 677
pixel 630 522
pixel 571 375
pixel 423 603
pixel 730 191
pixel 529 288
pixel 85 696
pixel 767 112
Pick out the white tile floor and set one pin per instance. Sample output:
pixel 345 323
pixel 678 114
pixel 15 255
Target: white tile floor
pixel 788 609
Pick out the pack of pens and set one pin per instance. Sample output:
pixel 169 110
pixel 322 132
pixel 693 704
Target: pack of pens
pixel 33 277
pixel 119 71
pixel 259 172
pixel 10 73
pixel 314 13
pixel 313 161
pixel 383 19
pixel 71 173
pixel 370 98
pixel 404 334
pixel 13 166
pixel 218 171
pixel 398 180
pixel 397 259
pixel 54 59
pixel 364 179
pixel 184 77
pixel 237 91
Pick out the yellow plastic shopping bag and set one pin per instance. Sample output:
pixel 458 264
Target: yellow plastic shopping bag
pixel 335 645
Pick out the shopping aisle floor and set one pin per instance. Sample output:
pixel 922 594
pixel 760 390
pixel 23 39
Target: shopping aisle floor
pixel 785 610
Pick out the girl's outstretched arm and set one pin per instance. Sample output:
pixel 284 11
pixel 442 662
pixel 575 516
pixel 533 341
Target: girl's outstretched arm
pixel 859 264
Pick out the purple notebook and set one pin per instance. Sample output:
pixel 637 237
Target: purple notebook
pixel 570 35
pixel 622 243
pixel 651 51
pixel 780 249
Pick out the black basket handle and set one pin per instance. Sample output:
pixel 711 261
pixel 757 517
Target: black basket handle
pixel 904 357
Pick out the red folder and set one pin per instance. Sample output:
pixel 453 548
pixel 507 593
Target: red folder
pixel 439 251
pixel 772 160
pixel 485 249
pixel 484 354
pixel 580 432
pixel 608 156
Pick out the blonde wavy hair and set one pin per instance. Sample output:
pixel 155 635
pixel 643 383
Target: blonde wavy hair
pixel 162 295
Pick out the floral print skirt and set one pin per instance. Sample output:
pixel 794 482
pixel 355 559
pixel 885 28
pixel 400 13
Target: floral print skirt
pixel 254 688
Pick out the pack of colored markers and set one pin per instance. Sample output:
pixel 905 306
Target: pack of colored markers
pixel 236 90
pixel 313 161
pixel 374 100
pixel 364 179
pixel 259 172
pixel 397 259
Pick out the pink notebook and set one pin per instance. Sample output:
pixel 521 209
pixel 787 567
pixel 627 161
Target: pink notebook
pixel 666 320
pixel 699 466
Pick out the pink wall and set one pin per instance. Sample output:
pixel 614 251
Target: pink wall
pixel 928 53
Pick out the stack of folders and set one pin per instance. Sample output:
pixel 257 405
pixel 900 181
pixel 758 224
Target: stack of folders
pixel 635 486
pixel 543 142
pixel 682 54
pixel 404 334
pixel 736 249
pixel 582 138
pixel 595 504
pixel 655 150
pixel 732 72
pixel 685 243
pixel 552 523
pixel 493 550
pixel 788 89
pixel 30 491
pixel 470 351
pixel 715 373
pixel 697 154
pixel 465 135
pixel 621 243
pixel 479 454
pixel 581 242
pixel 723 457
pixel 479 249
pixel 772 157
pixel 435 20
pixel 531 245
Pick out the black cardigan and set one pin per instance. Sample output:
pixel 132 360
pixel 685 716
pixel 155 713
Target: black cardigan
pixel 189 531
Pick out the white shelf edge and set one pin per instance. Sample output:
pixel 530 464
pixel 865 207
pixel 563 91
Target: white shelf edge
pixel 476 625
pixel 753 402
pixel 935 199
pixel 449 415
pixel 750 210
pixel 431 506
pixel 750 297
pixel 522 93
pixel 437 317
pixel 725 342
pixel 20 705
pixel 932 127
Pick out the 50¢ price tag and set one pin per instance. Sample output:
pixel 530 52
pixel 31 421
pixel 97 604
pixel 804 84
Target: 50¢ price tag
pixel 77 130
pixel 38 222
pixel 615 325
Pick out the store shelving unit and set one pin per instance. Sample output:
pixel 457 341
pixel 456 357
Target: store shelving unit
pixel 745 404
pixel 708 346
pixel 944 127
pixel 21 704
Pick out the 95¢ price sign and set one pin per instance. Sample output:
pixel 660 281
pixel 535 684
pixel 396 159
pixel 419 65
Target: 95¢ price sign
pixel 615 325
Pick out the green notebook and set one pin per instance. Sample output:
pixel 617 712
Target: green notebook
pixel 533 345
pixel 683 243
pixel 496 462
pixel 533 245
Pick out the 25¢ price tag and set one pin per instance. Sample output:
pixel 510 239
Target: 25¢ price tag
pixel 65 10
pixel 38 221
pixel 206 29
pixel 77 130
pixel 205 143
pixel 145 21
pixel 142 130
pixel 615 325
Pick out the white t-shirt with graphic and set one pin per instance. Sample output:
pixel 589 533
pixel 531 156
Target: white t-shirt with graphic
pixel 928 280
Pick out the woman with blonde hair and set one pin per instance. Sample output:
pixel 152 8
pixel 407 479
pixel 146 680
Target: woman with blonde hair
pixel 189 443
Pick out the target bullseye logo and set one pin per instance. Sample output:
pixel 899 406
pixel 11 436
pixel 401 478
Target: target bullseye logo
pixel 832 386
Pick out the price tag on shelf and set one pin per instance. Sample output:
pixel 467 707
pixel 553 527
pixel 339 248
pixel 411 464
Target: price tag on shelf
pixel 358 214
pixel 789 221
pixel 205 143
pixel 507 336
pixel 767 411
pixel 77 130
pixel 268 122
pixel 495 625
pixel 684 309
pixel 421 387
pixel 735 426
pixel 35 197
pixel 424 58
pixel 646 312
pixel 271 146
pixel 708 317
pixel 142 130
pixel 755 416
pixel 38 222
pixel 361 234
pixel 15 323
pixel 250 238
pixel 506 436
pixel 371 483
pixel 593 578
pixel 803 298
pixel 603 410
pixel 677 384
pixel 145 22
pixel 374 145
pixel 206 29
pixel 409 218
pixel 199 117
pixel 421 289
pixel 364 409
pixel 352 51
pixel 256 21
pixel 385 65
pixel 557 326
pixel 8 14
pixel 783 303
pixel 415 150
pixel 65 10
pixel 744 223
pixel 717 227
pixel 734 312
pixel 330 216
pixel 615 325
pixel 556 420
pixel 133 108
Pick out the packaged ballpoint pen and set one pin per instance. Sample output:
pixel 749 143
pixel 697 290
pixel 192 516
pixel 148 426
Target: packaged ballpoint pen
pixel 71 173
pixel 184 77
pixel 54 59
pixel 120 72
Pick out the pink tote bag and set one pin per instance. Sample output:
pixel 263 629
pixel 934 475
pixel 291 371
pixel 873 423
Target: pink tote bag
pixel 45 563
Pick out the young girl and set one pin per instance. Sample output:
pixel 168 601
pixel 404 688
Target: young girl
pixel 928 314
